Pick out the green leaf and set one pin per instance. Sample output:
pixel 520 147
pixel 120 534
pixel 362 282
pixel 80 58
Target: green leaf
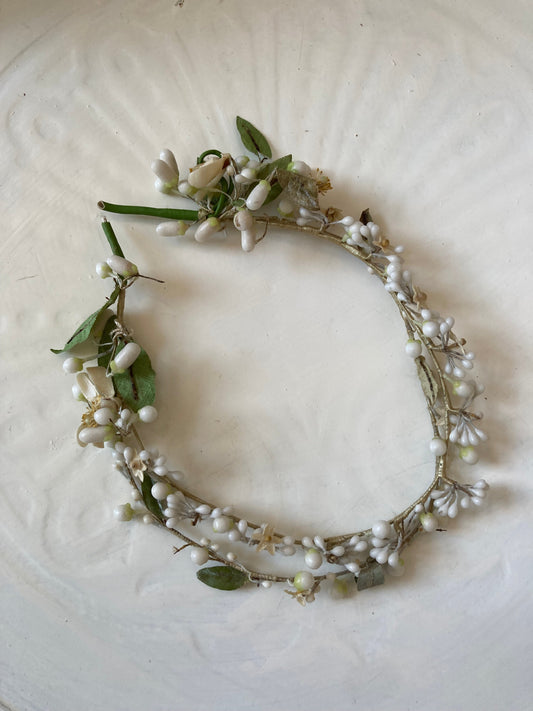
pixel 252 139
pixel 84 331
pixel 222 577
pixel 151 504
pixel 104 349
pixel 268 168
pixel 370 576
pixel 136 386
pixel 300 190
pixel 427 380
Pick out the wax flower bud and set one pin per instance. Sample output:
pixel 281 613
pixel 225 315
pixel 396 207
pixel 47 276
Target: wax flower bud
pixel 122 267
pixel 207 228
pixel 103 270
pixel 243 220
pixel 208 172
pixel 125 358
pixel 258 195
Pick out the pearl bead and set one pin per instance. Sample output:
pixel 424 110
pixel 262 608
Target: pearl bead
pixel 303 580
pixel 313 559
pixel 160 490
pixel 129 454
pixel 469 455
pixel 203 510
pixel 266 584
pixel 199 556
pixel 382 557
pixel 242 526
pixel 222 524
pixel 234 535
pixel 147 519
pixel 231 557
pixel 161 471
pixel 437 446
pixel 462 388
pixel 94 435
pixel 413 348
pixel 394 559
pixel 216 512
pixel 381 529
pixel 430 329
pixel 288 550
pixel 338 551
pixel 307 542
pixel 353 568
pixel 104 416
pixel 429 522
pixel 72 365
pixel 148 414
pixel 124 512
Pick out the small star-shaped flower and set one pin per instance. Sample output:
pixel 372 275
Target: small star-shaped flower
pixel 265 538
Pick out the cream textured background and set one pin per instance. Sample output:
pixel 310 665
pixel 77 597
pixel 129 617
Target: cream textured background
pixel 285 389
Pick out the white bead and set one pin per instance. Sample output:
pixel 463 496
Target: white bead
pixel 72 365
pixel 175 499
pixel 437 446
pixel 465 502
pixel 394 559
pixel 169 158
pixel 104 416
pixel 124 512
pixel 199 556
pixel 216 512
pixel 413 348
pixel 128 453
pixel 288 550
pixel 148 414
pixel 266 584
pixel 361 547
pixel 258 195
pixel 426 314
pixel 476 500
pixel 419 508
pixel 94 435
pixel 227 510
pixel 382 557
pixel 469 455
pixel 347 221
pixel 103 270
pixel 172 228
pixel 161 471
pixel 207 228
pixel 222 524
pixel 203 510
pixel 77 393
pixel 288 540
pixel 307 542
pixel 381 529
pixel 319 542
pixel 173 522
pixel 338 551
pixel 353 568
pixel 430 329
pixel 453 510
pixel 429 522
pixel 234 535
pixel 126 357
pixel 147 519
pixel 463 389
pixel 160 490
pixel 242 526
pixel 231 556
pixel 122 266
pixel 248 240
pixel 313 559
pixel 481 484
pixel 243 220
pixel 303 580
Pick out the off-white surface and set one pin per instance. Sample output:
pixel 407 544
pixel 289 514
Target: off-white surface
pixel 282 384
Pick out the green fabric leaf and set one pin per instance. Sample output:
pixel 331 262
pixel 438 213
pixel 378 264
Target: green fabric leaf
pixel 84 331
pixel 299 189
pixel 151 504
pixel 370 576
pixel 427 380
pixel 136 386
pixel 252 139
pixel 222 577
pixel 268 168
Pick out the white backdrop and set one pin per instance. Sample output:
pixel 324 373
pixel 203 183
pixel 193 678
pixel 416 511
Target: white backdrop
pixel 282 385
